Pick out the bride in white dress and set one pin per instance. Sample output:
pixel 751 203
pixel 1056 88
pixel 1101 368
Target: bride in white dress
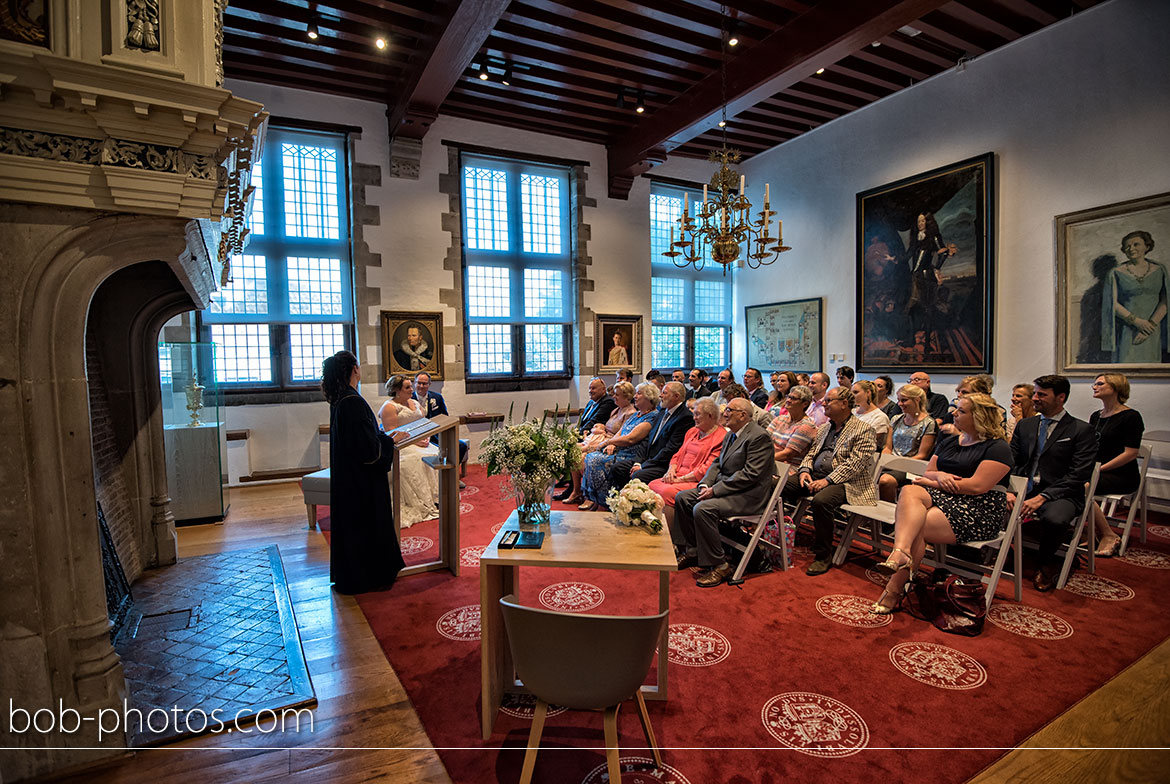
pixel 418 483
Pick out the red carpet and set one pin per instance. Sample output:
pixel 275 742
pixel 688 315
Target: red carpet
pixel 773 681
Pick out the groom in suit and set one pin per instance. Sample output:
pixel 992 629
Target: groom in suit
pixel 1056 452
pixel 666 436
pixel 739 483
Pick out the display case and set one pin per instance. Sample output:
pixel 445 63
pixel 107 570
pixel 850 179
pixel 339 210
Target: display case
pixel 194 432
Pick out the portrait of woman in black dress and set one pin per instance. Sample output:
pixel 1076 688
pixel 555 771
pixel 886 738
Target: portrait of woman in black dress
pixel 363 547
pixel 1119 431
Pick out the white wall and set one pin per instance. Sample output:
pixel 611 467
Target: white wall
pixel 413 245
pixel 1078 116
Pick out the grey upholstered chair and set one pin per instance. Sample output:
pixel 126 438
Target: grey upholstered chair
pixel 583 662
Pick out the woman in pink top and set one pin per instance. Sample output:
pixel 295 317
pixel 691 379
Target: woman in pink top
pixel 700 448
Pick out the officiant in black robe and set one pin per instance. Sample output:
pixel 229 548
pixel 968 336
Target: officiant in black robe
pixel 363 549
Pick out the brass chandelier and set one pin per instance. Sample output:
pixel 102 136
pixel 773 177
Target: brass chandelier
pixel 722 226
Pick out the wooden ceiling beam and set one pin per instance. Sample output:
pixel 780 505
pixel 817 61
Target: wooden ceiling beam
pixel 818 38
pixel 424 89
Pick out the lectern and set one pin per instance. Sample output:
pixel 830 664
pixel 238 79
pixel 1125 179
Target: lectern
pixel 447 464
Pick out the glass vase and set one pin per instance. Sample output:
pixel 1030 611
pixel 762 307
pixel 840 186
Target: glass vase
pixel 533 501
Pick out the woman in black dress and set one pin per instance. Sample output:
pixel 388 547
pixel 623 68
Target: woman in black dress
pixel 363 547
pixel 1119 436
pixel 953 502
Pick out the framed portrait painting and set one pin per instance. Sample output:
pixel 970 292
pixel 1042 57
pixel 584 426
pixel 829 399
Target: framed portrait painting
pixel 412 343
pixel 925 271
pixel 619 343
pixel 1111 289
pixel 785 336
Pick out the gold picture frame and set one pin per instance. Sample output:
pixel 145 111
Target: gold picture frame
pixel 399 356
pixel 629 330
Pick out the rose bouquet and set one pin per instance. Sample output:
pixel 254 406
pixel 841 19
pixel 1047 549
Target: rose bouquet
pixel 636 504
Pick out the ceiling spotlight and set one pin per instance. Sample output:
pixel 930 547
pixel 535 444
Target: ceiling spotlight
pixel 380 42
pixel 910 31
pixel 483 72
pixel 732 37
pixel 640 106
pixel 311 31
pixel 876 44
pixel 820 71
pixel 507 79
pixel 723 123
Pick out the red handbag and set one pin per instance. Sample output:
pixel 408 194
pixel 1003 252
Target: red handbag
pixel 952 605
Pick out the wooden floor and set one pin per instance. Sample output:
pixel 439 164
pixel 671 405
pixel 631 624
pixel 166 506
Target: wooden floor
pixel 363 705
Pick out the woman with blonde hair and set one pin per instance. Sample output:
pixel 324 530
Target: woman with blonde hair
pixel 912 434
pixel 1119 431
pixel 623 396
pixel 954 501
pixel 629 444
pixel 864 393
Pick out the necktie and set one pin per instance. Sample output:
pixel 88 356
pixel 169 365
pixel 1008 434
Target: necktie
pixel 1041 438
pixel 658 428
pixel 588 411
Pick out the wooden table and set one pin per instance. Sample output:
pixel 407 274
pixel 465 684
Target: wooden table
pixel 591 540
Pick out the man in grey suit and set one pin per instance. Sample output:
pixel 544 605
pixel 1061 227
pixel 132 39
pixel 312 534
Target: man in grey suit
pixel 738 483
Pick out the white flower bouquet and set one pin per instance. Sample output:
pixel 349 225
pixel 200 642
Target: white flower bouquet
pixel 636 504
pixel 533 455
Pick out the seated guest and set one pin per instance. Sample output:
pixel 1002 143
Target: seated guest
pixel 1021 407
pixel 433 405
pixel 724 378
pixel 936 404
pixel 845 376
pixel 623 397
pixel 782 381
pixel 819 384
pixel 870 414
pixel 596 414
pixel 666 436
pixel 953 502
pixel 656 377
pixel 837 469
pixel 1055 451
pixel 884 399
pixel 624 374
pixel 680 377
pixel 804 380
pixel 759 415
pixel 628 444
pixel 738 483
pixel 968 386
pixel 698 384
pixel 793 431
pixel 1119 431
pixel 753 382
pixel 912 434
pixel 700 448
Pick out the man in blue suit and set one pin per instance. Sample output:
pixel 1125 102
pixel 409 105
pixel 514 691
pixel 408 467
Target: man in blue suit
pixel 433 405
pixel 671 424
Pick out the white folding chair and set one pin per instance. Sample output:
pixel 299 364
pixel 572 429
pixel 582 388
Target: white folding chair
pixel 1009 539
pixel 1135 499
pixel 774 510
pixel 882 513
pixel 1074 545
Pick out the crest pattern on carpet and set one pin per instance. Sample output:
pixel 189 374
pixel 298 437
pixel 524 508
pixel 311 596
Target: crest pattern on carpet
pixel 938 666
pixel 695 645
pixel 571 597
pixel 1096 587
pixel 815 724
pixel 461 624
pixel 1029 622
pixel 637 770
pixel 851 611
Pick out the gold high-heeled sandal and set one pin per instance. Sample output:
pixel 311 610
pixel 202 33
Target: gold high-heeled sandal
pixel 889 567
pixel 880 609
